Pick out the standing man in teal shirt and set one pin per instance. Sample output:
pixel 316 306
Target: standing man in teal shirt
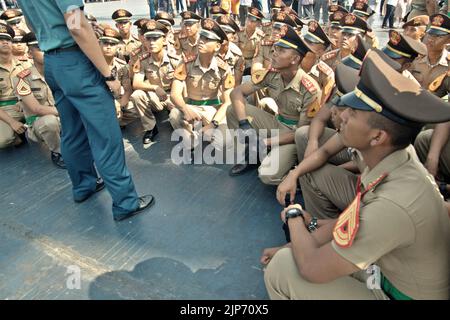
pixel 79 78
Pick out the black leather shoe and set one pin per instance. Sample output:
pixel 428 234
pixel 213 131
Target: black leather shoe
pixel 145 202
pixel 150 135
pixel 98 187
pixel 239 169
pixel 58 160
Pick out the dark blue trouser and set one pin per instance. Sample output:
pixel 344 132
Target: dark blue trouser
pixel 90 130
pixel 389 16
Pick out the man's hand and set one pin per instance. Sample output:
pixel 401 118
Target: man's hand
pixel 18 127
pixel 267 254
pixel 162 95
pixel 287 186
pixel 114 86
pixel 190 115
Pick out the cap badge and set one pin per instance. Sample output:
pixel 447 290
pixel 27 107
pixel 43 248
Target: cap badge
pixel 350 19
pixel 437 21
pixel 395 38
pixel 312 26
pixel 209 24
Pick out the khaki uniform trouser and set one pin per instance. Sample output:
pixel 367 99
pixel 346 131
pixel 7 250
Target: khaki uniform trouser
pixel 280 159
pixel 422 146
pixel 328 191
pixel 7 134
pixel 283 281
pixel 146 102
pixel 301 142
pixel 128 114
pixel 46 129
pixel 190 133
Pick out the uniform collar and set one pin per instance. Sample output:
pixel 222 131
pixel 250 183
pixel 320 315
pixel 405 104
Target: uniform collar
pixel 387 165
pixel 164 60
pixel 295 82
pixel 213 66
pixel 442 61
pixel 15 63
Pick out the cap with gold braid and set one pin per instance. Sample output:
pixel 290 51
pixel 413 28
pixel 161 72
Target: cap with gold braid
pixel 355 59
pixel 292 40
pixel 110 35
pixel 255 14
pixel 351 23
pixel 165 18
pixel 439 25
pixel 280 18
pixel 315 34
pixel 384 90
pixel 400 46
pixel 212 30
pixel 217 11
pixel 121 15
pixel 30 39
pixel 336 18
pixel 154 29
pixel 11 16
pixel 18 35
pixel 362 9
pixel 189 16
pixel 6 32
pixel 336 8
pixel 140 23
pixel 228 24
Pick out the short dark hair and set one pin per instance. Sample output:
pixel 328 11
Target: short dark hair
pixel 401 135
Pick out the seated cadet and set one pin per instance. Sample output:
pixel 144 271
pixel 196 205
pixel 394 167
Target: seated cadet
pixel 230 52
pixel 264 52
pixel 331 150
pixel 355 59
pixel 153 75
pixel 364 11
pixel 14 19
pixel 396 219
pixel 318 41
pixel 429 68
pixel 207 81
pixel 20 49
pixel 141 50
pixel 433 149
pixel 109 43
pixel 351 26
pixel 334 29
pixel 167 20
pixel 404 50
pixel 129 41
pixel 186 42
pixel 250 37
pixel 38 105
pixel 12 121
pixel 416 27
pixel 295 94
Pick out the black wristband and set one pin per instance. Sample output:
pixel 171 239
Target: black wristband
pixel 245 124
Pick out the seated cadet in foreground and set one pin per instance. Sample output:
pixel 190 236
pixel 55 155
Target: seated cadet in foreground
pixel 109 43
pixel 397 219
pixel 38 105
pixel 153 75
pixel 207 82
pixel 295 93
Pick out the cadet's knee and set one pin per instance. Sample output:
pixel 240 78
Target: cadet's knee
pixel 301 135
pixel 49 123
pixel 231 117
pixel 6 141
pixel 175 118
pixel 268 178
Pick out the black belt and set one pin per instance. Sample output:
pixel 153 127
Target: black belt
pixel 74 47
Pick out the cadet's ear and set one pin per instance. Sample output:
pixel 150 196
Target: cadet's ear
pixel 218 46
pixel 379 138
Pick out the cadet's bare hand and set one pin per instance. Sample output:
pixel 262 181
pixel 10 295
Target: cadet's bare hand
pixel 114 86
pixel 287 186
pixel 162 95
pixel 191 116
pixel 18 127
pixel 267 255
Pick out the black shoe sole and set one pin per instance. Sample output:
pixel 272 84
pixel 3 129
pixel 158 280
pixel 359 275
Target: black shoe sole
pixel 97 189
pixel 249 167
pixel 132 214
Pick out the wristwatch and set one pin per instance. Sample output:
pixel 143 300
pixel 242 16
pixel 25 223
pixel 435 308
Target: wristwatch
pixel 312 226
pixel 215 123
pixel 293 213
pixel 111 77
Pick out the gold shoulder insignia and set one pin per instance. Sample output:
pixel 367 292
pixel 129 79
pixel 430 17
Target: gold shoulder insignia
pixel 24 73
pixel 313 108
pixel 188 59
pixel 260 33
pixel 330 55
pixel 120 61
pixel 309 85
pixel 259 75
pixel 322 66
pixel 229 81
pixel 22 88
pixel 181 72
pixel 144 56
pixel 437 82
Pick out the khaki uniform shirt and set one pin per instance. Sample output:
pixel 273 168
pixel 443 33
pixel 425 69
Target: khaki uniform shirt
pixel 403 228
pixel 120 68
pixel 324 76
pixel 425 73
pixel 294 99
pixel 184 47
pixel 234 59
pixel 126 47
pixel 159 75
pixel 7 87
pixel 264 53
pixel 204 84
pixel 332 58
pixel 248 44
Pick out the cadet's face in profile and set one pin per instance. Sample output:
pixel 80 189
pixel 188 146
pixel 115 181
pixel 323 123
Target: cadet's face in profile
pixel 109 49
pixel 191 28
pixel 335 35
pixel 206 45
pixel 283 57
pixel 354 129
pixel 416 33
pixel 349 41
pixel 124 27
pixel 155 45
pixel 5 46
pixel 436 43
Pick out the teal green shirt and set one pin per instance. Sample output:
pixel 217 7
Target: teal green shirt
pixel 46 18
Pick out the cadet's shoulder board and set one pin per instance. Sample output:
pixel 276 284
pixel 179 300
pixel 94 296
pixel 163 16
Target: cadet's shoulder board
pixel 259 75
pixel 222 64
pixel 322 66
pixel 135 52
pixel 180 71
pixel 309 85
pixel 267 43
pixel 267 24
pixel 120 61
pixel 260 33
pixel 437 82
pixel 190 58
pixel 229 81
pixel 144 56
pixel 24 73
pixel 330 55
